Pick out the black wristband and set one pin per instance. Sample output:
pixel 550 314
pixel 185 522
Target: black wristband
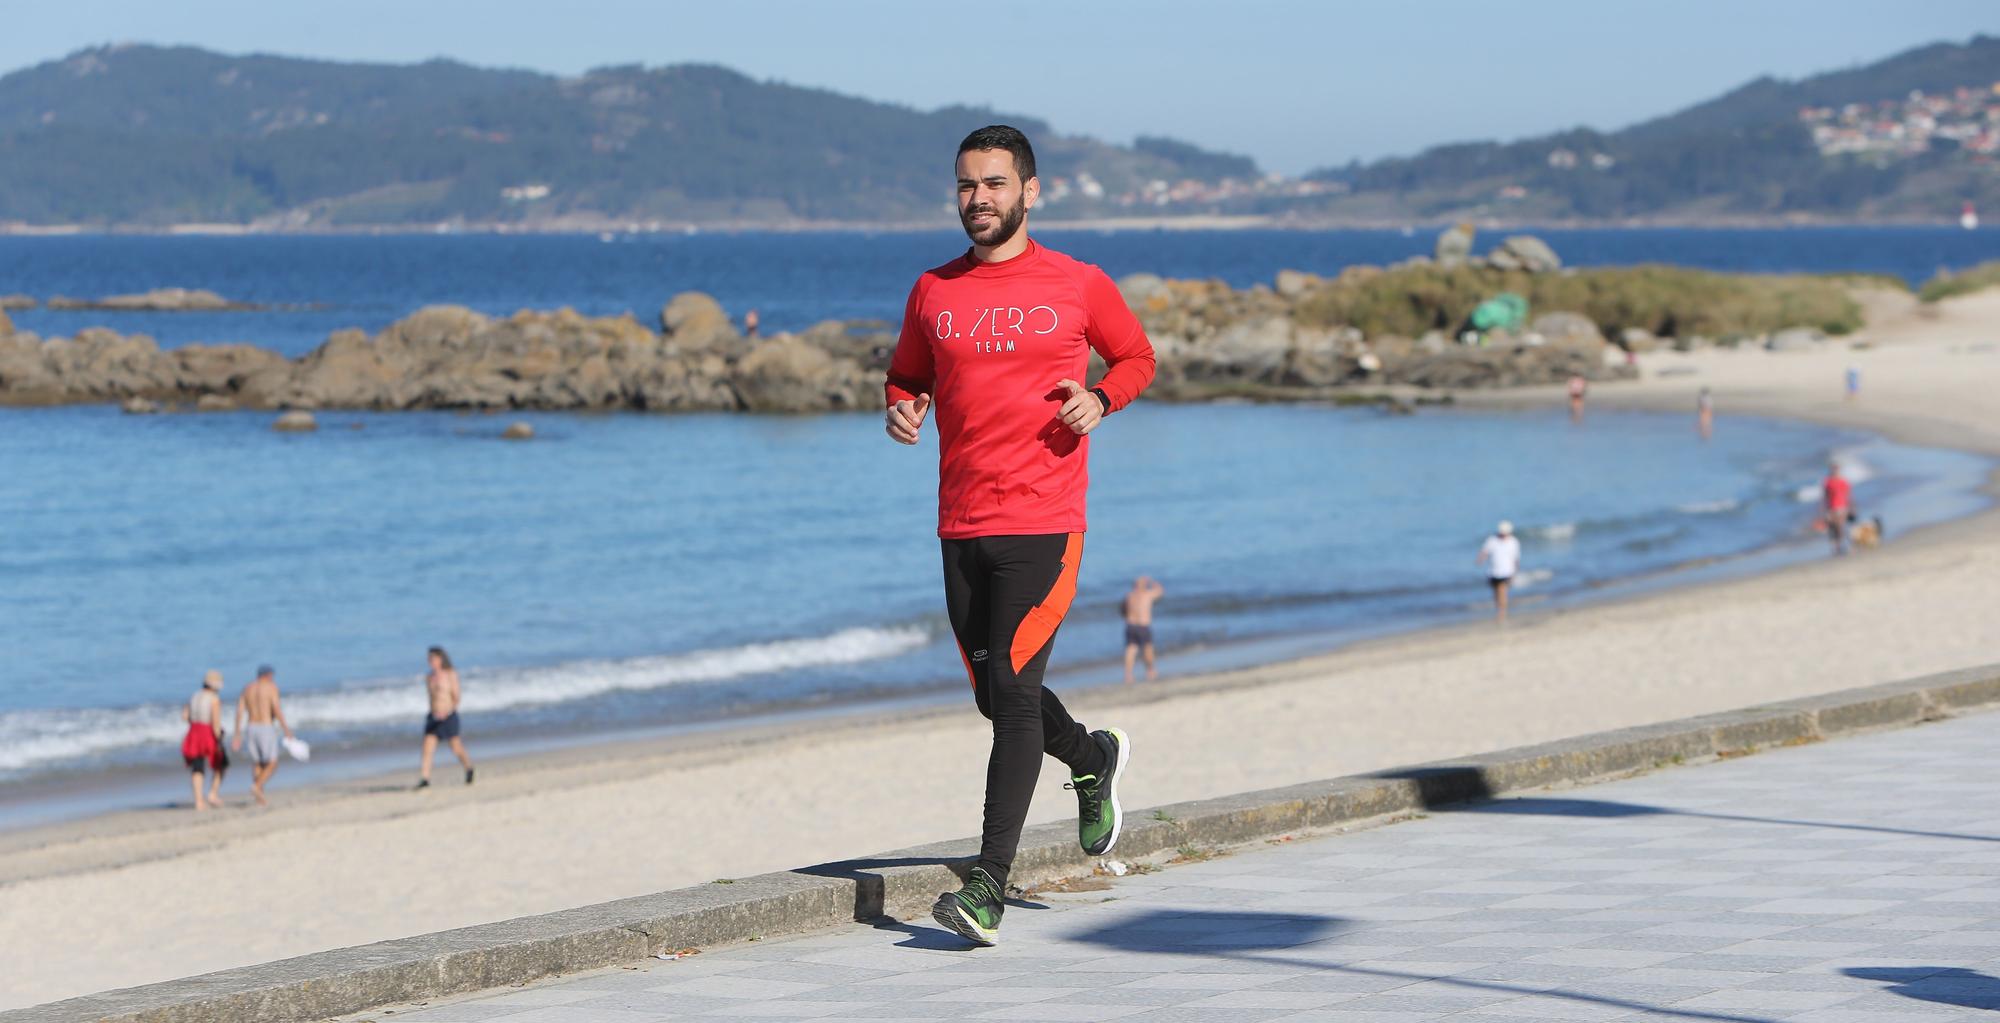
pixel 1105 398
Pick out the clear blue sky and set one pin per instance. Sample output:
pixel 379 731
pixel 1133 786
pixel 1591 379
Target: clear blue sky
pixel 1295 84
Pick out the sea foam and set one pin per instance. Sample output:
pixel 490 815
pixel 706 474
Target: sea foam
pixel 47 737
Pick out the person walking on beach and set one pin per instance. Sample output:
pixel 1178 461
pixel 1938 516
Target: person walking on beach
pixel 442 722
pixel 1138 611
pixel 1704 413
pixel 1501 554
pixel 998 339
pixel 201 748
pixel 259 703
pixel 1836 503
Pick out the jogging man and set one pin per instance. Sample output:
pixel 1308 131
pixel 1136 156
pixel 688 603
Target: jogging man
pixel 998 340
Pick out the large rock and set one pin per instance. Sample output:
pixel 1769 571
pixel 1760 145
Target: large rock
pixel 6 325
pixel 16 302
pixel 785 374
pixel 1561 328
pixel 695 322
pixel 1247 351
pixel 1525 252
pixel 1295 283
pixel 295 421
pixel 1145 293
pixel 1323 358
pixel 1454 246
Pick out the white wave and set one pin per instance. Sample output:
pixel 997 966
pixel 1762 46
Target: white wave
pixel 1532 577
pixel 1708 507
pixel 47 736
pixel 1556 531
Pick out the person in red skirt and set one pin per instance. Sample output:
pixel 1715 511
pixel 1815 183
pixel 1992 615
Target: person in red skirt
pixel 202 748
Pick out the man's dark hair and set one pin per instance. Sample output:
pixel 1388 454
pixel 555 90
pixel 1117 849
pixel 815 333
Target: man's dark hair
pixel 1001 136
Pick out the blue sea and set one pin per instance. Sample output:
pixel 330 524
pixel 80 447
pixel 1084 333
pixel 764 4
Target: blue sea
pixel 624 572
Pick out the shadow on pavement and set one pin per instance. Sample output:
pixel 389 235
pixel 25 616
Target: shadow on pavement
pixel 1238 935
pixel 1465 790
pixel 1945 985
pixel 1210 932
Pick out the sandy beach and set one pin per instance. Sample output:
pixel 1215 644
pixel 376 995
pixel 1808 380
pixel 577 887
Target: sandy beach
pixel 148 896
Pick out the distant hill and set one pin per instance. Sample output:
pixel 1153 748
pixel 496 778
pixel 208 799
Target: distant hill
pixel 144 135
pixel 1853 144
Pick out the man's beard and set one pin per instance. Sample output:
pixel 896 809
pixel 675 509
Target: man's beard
pixel 999 233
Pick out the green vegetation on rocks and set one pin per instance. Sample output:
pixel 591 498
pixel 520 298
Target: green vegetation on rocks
pixel 1965 282
pixel 1667 301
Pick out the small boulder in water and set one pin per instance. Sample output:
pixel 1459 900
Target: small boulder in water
pixel 140 406
pixel 518 431
pixel 296 421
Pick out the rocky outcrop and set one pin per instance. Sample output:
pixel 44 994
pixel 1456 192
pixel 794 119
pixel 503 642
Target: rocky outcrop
pixel 1524 252
pixel 1294 339
pixel 1454 246
pixel 16 302
pixel 453 357
pixel 159 300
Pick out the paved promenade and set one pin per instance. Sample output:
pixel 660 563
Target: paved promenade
pixel 1856 880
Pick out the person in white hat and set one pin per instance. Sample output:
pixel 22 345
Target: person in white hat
pixel 1501 554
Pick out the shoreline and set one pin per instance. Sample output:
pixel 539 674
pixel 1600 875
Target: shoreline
pixel 54 796
pixel 596 822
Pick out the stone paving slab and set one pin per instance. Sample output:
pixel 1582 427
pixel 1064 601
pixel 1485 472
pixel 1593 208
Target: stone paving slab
pixel 1848 882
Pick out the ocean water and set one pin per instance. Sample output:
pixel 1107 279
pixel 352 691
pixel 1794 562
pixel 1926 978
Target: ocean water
pixel 315 285
pixel 625 570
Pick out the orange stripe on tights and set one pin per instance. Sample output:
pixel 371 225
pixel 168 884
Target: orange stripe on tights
pixel 1039 627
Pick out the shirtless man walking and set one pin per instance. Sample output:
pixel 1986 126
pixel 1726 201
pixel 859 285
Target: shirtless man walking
pixel 442 722
pixel 259 703
pixel 1139 625
pixel 1000 338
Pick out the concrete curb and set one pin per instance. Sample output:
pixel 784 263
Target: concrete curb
pixel 904 883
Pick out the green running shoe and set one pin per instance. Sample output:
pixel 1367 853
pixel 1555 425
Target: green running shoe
pixel 972 911
pixel 1098 817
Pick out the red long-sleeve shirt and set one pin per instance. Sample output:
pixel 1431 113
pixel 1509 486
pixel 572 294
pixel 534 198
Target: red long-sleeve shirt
pixel 988 342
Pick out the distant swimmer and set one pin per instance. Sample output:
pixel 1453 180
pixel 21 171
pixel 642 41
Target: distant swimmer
pixel 1138 609
pixel 259 704
pixel 442 722
pixel 1704 413
pixel 1836 505
pixel 1501 554
pixel 999 340
pixel 201 748
pixel 1578 386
